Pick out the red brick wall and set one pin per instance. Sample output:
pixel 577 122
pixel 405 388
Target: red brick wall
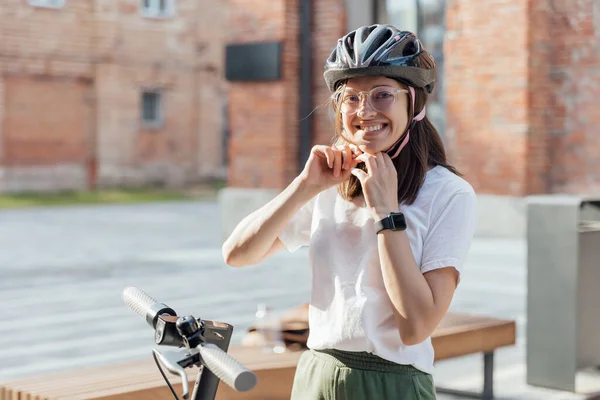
pixel 543 110
pixel 40 130
pixel 264 117
pixel 522 91
pixel 114 51
pixel 568 45
pixel 486 75
pixel 263 137
pixel 45 116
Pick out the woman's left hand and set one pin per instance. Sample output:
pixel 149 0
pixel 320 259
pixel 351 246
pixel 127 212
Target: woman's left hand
pixel 379 184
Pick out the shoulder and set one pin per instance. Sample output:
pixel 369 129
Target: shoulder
pixel 445 183
pixel 443 189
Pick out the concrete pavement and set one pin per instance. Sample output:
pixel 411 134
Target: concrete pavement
pixel 63 269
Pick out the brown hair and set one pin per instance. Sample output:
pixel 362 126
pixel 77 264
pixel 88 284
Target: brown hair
pixel 424 149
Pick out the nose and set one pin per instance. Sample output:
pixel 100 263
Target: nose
pixel 364 107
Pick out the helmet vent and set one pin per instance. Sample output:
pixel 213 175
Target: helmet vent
pixel 405 48
pixel 378 42
pixel 349 44
pixel 411 48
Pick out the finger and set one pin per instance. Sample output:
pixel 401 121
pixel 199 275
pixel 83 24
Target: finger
pixel 363 157
pixel 355 150
pixel 388 161
pixel 369 161
pixel 342 149
pixel 360 174
pixel 328 151
pixel 380 160
pixel 347 157
pixel 372 165
pixel 353 161
pixel 337 162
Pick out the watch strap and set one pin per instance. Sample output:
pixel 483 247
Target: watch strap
pixel 383 224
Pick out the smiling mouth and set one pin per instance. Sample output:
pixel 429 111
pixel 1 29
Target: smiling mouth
pixel 372 128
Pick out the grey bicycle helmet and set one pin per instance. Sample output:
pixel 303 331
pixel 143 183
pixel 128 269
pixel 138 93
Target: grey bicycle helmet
pixel 380 50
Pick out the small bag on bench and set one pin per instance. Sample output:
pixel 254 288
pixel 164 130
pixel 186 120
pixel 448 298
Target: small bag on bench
pixel 294 330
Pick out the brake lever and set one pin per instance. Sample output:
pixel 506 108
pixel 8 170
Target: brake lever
pixel 175 361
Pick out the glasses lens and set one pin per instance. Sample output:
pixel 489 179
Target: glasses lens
pixel 380 99
pixel 350 102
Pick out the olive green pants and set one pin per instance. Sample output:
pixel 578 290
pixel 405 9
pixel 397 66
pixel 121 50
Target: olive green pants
pixel 343 375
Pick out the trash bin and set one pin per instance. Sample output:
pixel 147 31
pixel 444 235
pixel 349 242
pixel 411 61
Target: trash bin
pixel 563 289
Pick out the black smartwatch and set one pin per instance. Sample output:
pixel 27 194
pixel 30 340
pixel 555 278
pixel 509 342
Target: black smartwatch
pixel 394 222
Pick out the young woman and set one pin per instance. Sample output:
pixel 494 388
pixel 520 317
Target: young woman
pixel 387 220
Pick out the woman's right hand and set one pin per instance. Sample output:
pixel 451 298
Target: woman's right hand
pixel 329 165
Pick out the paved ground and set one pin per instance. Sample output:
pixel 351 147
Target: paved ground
pixel 63 270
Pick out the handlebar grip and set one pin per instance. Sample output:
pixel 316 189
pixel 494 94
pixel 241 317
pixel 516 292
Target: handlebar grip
pixel 227 368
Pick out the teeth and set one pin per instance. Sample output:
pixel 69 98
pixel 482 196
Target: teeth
pixel 373 128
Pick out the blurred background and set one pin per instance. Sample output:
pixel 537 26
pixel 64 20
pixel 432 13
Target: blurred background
pixel 135 134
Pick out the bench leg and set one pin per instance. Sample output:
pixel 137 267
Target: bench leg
pixel 488 382
pixel 488 376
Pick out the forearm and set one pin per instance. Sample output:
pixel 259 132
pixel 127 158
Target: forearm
pixel 406 286
pixel 255 235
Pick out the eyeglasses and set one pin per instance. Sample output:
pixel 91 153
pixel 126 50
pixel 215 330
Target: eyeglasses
pixel 380 99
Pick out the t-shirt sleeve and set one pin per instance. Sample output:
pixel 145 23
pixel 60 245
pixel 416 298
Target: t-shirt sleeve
pixel 450 234
pixel 297 231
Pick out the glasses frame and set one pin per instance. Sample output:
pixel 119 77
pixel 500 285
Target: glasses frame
pixel 366 95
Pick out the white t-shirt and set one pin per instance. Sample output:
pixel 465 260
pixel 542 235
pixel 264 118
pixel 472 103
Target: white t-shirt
pixel 349 307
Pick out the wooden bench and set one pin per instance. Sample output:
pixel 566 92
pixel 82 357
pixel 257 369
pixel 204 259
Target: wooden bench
pixel 463 334
pixel 457 335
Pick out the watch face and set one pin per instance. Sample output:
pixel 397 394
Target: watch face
pixel 398 221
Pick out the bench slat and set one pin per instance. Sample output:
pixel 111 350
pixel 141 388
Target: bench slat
pixel 464 334
pixel 457 335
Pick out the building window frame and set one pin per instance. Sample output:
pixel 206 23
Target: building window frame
pixel 157 8
pixel 152 108
pixel 47 3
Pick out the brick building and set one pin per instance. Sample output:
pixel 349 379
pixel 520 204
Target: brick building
pixel 516 95
pixel 516 100
pixel 100 93
pixel 134 91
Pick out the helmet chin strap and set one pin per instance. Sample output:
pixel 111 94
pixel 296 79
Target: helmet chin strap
pixel 404 140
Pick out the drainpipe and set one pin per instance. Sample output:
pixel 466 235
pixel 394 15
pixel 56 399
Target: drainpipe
pixel 306 104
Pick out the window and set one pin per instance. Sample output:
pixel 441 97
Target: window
pixel 157 8
pixel 47 3
pixel 151 109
